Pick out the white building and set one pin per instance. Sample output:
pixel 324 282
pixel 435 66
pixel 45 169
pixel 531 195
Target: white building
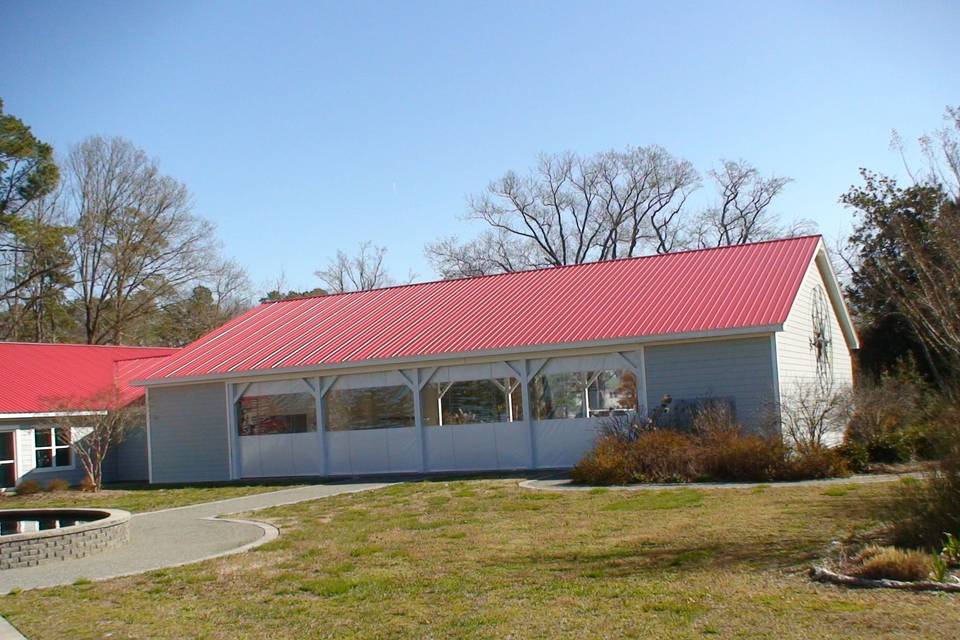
pixel 512 371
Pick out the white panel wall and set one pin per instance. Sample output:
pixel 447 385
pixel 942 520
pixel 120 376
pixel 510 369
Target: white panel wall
pixel 796 360
pixel 561 443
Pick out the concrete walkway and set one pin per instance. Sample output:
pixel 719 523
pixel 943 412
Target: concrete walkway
pixel 176 536
pixel 566 484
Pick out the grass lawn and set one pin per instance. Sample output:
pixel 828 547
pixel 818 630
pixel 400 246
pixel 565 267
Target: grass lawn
pixel 486 559
pixel 136 497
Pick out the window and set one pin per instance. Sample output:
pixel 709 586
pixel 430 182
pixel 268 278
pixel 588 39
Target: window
pixel 52 445
pixel 369 408
pixel 270 415
pixel 472 402
pixel 8 465
pixel 583 394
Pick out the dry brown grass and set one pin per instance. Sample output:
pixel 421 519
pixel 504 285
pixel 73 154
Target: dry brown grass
pixel 486 559
pixel 879 563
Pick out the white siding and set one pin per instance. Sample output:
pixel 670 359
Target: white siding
pixel 740 369
pixel 796 360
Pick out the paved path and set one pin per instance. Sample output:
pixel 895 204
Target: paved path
pixel 176 536
pixel 566 484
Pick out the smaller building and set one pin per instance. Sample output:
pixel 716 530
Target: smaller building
pixel 41 382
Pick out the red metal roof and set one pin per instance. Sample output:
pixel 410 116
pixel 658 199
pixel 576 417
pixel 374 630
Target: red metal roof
pixel 41 378
pixel 686 292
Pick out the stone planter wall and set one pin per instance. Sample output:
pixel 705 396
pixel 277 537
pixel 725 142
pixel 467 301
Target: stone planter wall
pixel 40 547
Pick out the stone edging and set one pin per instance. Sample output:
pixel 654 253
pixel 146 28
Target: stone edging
pixel 77 541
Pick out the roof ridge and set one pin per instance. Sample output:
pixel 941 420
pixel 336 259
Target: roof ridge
pixel 547 268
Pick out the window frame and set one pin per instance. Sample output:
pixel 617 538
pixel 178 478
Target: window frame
pixel 53 448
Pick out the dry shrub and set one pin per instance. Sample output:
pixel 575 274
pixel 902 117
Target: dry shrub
pixel 814 464
pixel 879 563
pixel 717 450
pixel 924 511
pixel 739 457
pixel 663 456
pixel 58 484
pixel 652 456
pixel 605 464
pixel 87 484
pixel 28 487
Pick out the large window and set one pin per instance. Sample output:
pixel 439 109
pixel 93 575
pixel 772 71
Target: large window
pixel 286 413
pixel 472 402
pixel 369 408
pixel 52 446
pixel 583 394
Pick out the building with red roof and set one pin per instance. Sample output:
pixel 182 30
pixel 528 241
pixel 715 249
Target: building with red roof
pixel 43 381
pixel 502 372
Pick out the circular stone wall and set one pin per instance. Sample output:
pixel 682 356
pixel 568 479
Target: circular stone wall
pixel 51 545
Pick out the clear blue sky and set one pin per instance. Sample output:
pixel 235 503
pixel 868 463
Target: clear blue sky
pixel 301 127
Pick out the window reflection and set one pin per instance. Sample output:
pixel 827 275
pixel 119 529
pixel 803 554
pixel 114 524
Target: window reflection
pixel 585 394
pixel 472 402
pixel 369 408
pixel 269 415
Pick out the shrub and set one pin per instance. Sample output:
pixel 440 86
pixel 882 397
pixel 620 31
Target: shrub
pixel 87 484
pixel 879 563
pixel 652 456
pixel 28 487
pixel 58 484
pixel 734 456
pixel 717 450
pixel 663 456
pixel 855 455
pixel 890 447
pixel 923 512
pixel 814 464
pixel 605 464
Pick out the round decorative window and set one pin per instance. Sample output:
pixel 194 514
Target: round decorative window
pixel 821 343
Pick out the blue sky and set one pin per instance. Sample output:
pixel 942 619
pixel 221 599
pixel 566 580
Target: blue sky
pixel 303 127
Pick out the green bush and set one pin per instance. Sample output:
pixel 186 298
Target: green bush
pixel 855 454
pixel 890 447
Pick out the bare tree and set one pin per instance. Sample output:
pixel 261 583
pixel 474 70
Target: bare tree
pixel 137 239
pixel 495 251
pixel 743 212
pixel 941 150
pixel 98 430
pixel 572 209
pixel 360 272
pixel 813 415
